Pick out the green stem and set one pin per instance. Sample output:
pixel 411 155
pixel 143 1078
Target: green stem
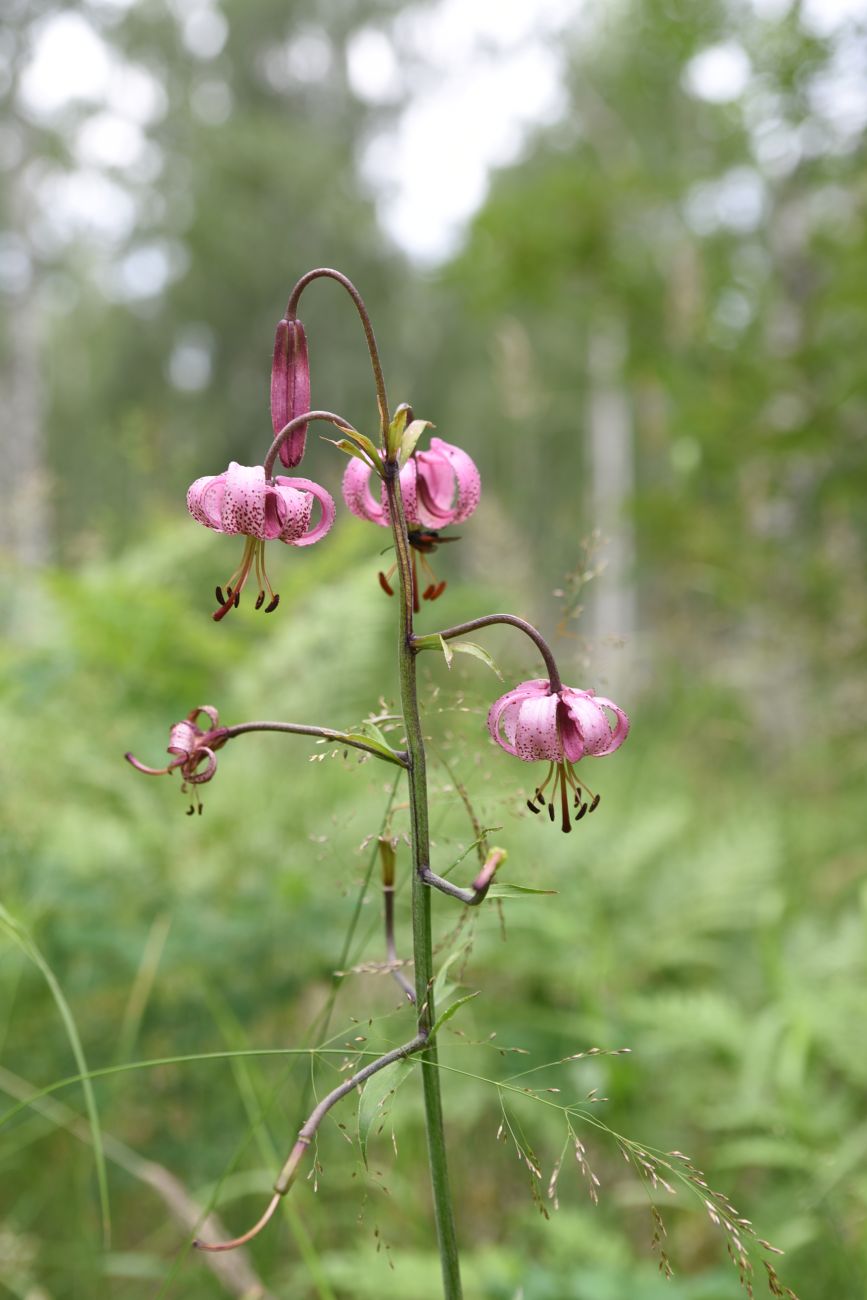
pixel 421 898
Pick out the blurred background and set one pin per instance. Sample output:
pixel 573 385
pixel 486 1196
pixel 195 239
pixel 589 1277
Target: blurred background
pixel 618 253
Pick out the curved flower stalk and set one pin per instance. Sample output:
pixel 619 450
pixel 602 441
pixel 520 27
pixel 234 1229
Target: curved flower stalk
pixel 534 722
pixel 440 487
pixel 241 500
pixel 192 748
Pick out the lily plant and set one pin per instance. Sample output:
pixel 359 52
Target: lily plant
pixel 418 493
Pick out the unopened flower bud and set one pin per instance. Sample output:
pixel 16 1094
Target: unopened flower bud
pixel 290 387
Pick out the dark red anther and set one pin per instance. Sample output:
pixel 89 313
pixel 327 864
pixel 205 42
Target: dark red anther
pixel 533 807
pixel 260 600
pixel 582 812
pixel 236 599
pixel 551 813
pixel 218 592
pixel 190 810
pixel 385 584
pixel 427 594
pixel 269 609
pixel 594 804
pixel 437 591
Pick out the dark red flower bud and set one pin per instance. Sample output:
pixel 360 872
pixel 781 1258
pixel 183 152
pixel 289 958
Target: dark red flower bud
pixel 290 388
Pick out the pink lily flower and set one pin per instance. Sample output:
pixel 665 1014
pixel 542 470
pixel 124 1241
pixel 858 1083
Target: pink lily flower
pixel 241 501
pixel 192 747
pixel 290 388
pixel 534 723
pixel 440 487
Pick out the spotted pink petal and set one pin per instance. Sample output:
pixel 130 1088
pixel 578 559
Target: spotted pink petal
pixel 505 714
pixel 295 530
pixel 357 495
pixel 453 482
pixel 618 733
pixel 536 732
pixel 205 500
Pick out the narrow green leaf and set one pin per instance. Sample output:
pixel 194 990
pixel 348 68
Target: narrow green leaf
pixel 381 748
pixel 410 439
pixel 447 652
pixel 515 891
pixel 396 428
pixel 376 1097
pixel 350 450
pixel 441 985
pixel 450 1010
pixel 19 935
pixel 470 648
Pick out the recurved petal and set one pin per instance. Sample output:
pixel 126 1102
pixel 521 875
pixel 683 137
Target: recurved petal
pixel 183 738
pixel 435 486
pixel 205 500
pixel 591 732
pixel 502 715
pixel 621 727
pixel 409 491
pixel 357 495
pixel 309 491
pixel 468 482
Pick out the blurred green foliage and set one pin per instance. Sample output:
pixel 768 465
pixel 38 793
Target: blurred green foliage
pixel 710 916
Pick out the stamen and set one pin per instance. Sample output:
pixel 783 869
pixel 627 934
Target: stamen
pixel 260 600
pixel 532 807
pixel 427 594
pixel 582 812
pixel 565 824
pixel 218 592
pixel 551 813
pixel 594 804
pixel 416 604
pixel 385 584
pixel 438 590
pixel 269 609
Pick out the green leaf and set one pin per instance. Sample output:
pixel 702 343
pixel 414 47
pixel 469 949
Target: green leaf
pixel 447 652
pixel 515 891
pixel 380 746
pixel 470 648
pixel 410 439
pixel 450 1010
pixel 396 428
pixel 440 985
pixel 351 450
pixel 375 1097
pixel 19 935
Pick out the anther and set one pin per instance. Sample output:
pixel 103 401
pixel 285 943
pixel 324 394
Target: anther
pixel 437 591
pixel 386 585
pixel 237 598
pixel 582 812
pixel 595 804
pixel 428 592
pixel 551 813
pixel 269 609
pixel 260 600
pixel 190 810
pixel 533 807
pixel 218 592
